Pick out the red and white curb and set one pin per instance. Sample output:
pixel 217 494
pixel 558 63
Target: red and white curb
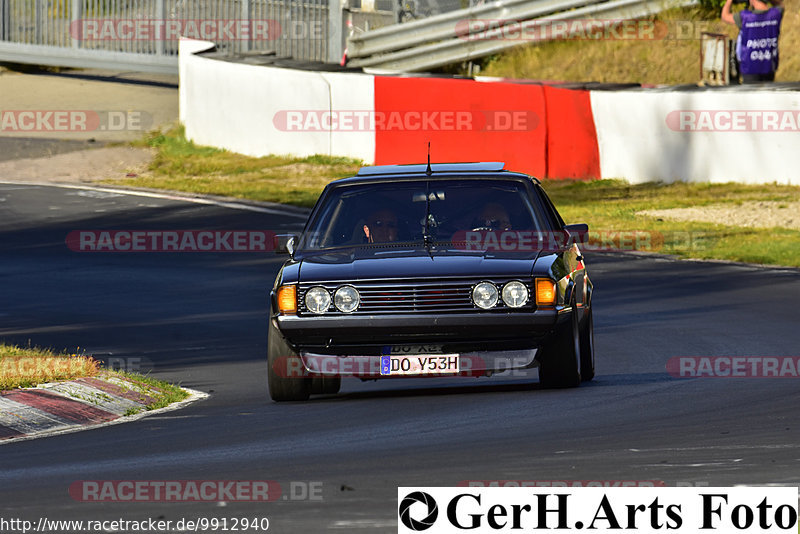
pixel 62 407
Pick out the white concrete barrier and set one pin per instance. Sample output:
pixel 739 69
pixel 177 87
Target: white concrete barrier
pixel 244 108
pixel 742 135
pixel 737 134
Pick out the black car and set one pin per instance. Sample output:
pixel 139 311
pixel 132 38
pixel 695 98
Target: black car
pixel 430 270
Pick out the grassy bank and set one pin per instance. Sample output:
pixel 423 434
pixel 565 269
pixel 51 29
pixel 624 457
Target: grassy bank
pixel 180 165
pixel 164 393
pixel 22 367
pixel 608 206
pixel 674 59
pixel 26 367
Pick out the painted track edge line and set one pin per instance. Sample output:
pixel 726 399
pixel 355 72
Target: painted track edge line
pixel 275 209
pixel 674 258
pixel 279 210
pixel 194 396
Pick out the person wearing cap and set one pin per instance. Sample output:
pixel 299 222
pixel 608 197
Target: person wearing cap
pixel 757 43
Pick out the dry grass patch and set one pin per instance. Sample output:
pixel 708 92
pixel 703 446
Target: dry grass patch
pixel 663 61
pixel 28 367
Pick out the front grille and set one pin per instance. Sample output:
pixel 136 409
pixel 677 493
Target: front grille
pixel 413 296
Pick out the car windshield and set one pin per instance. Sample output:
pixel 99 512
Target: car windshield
pixel 397 212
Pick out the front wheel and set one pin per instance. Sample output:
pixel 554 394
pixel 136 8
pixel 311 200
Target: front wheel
pixel 286 376
pixel 282 385
pixel 560 360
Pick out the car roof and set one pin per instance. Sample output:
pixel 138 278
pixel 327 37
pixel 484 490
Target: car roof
pixel 378 173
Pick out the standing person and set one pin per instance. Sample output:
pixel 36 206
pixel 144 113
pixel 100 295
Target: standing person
pixel 757 43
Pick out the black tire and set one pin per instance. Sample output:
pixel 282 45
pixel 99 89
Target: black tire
pixel 560 360
pixel 587 347
pixel 325 385
pixel 283 388
pixel 286 388
pixel 285 371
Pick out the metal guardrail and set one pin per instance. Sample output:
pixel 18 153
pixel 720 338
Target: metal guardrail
pixel 445 39
pixel 103 33
pixel 81 58
pixel 444 26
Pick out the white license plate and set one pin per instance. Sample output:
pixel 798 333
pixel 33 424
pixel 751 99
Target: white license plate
pixel 420 364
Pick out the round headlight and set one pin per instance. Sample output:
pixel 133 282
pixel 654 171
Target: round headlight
pixel 515 294
pixel 318 300
pixel 484 295
pixel 346 299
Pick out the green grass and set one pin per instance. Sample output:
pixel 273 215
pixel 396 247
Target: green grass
pixel 28 367
pixel 180 165
pixel 670 60
pixel 164 392
pixel 611 206
pixel 606 205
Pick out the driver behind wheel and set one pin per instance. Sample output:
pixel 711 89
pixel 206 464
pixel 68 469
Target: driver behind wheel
pixel 381 227
pixel 493 217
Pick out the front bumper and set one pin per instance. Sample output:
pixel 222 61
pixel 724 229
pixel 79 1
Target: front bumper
pixel 483 363
pixel 522 328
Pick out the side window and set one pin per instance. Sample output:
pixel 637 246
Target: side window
pixel 552 212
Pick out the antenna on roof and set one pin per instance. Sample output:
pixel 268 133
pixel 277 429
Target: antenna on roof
pixel 429 171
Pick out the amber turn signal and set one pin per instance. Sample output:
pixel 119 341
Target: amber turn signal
pixel 545 292
pixel 287 299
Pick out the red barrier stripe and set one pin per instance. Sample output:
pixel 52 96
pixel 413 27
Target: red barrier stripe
pixel 8 433
pixel 118 391
pixel 506 122
pixel 70 410
pixel 572 150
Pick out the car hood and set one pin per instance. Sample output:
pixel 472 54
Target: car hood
pixel 364 263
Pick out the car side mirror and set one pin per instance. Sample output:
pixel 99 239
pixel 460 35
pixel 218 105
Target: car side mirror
pixel 285 243
pixel 577 231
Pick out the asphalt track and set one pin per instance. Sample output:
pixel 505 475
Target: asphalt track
pixel 200 319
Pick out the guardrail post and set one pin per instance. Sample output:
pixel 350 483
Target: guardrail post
pixel 5 20
pixel 337 11
pixel 161 15
pixel 38 21
pixel 77 13
pixel 246 15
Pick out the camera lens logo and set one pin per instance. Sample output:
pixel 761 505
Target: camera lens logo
pixel 405 511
